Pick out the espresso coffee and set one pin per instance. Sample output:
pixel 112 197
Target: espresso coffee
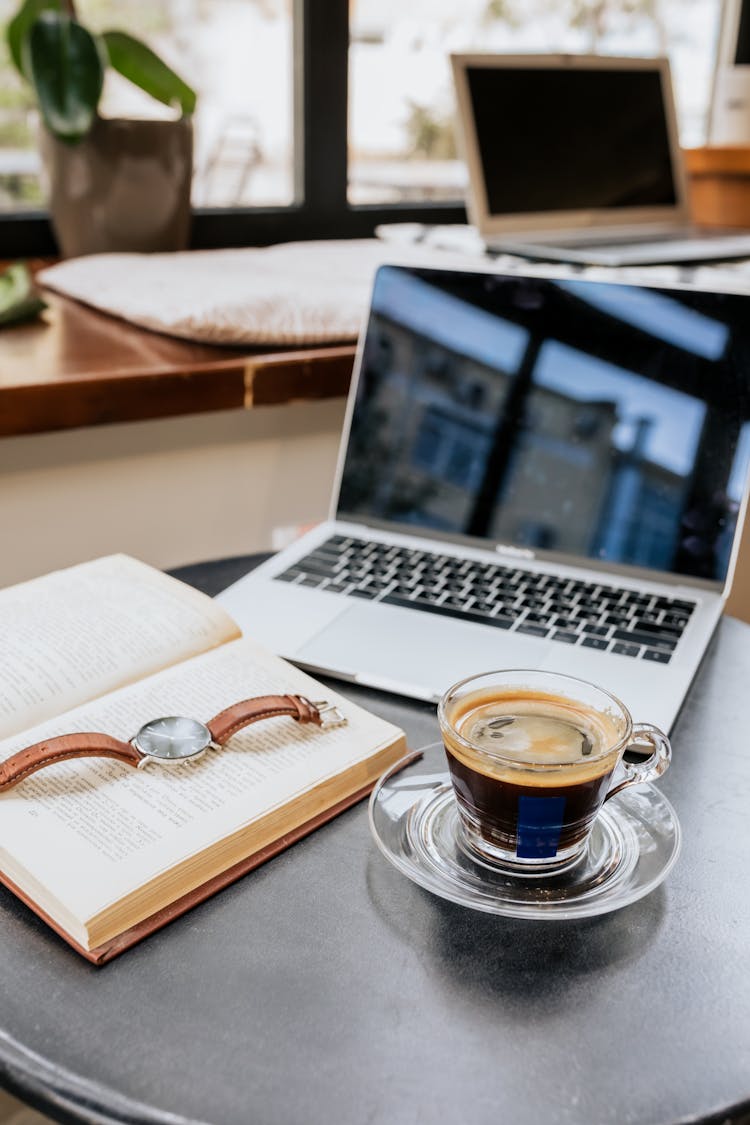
pixel 530 770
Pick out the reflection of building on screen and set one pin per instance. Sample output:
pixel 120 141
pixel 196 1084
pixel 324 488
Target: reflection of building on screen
pixel 641 439
pixel 582 477
pixel 436 411
pixel 595 459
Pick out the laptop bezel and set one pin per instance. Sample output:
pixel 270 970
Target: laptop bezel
pixel 510 553
pixel 565 223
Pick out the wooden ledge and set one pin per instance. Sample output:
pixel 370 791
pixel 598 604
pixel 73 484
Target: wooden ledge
pixel 79 367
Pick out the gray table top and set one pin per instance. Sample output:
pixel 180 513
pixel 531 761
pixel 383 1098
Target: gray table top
pixel 325 987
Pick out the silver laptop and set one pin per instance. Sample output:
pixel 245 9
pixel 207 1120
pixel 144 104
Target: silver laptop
pixel 535 472
pixel 577 158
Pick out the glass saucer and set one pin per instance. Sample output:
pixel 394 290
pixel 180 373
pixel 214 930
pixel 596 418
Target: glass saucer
pixel 633 846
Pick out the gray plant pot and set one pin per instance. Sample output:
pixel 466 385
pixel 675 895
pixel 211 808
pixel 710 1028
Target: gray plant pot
pixel 124 187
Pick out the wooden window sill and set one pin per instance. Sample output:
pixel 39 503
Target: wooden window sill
pixel 78 367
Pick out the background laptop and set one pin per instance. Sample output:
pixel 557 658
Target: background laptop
pixel 534 472
pixel 577 158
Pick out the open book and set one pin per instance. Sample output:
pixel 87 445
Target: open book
pixel 106 853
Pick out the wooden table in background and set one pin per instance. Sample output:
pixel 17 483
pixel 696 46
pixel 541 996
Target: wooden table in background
pixel 79 367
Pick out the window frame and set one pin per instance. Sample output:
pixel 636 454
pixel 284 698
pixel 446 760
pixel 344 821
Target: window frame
pixel 320 54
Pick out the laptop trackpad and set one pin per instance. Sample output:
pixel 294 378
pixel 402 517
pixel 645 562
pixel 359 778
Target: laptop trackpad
pixel 408 649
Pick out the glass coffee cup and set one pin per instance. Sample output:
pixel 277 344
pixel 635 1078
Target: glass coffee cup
pixel 532 757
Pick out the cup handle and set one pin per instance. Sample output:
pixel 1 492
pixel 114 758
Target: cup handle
pixel 654 766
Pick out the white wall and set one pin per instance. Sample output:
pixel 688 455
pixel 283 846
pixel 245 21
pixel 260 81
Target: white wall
pixel 170 492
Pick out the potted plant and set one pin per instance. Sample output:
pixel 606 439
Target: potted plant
pixel 114 184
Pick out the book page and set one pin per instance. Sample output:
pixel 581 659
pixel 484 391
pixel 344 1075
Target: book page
pixel 76 634
pixel 93 831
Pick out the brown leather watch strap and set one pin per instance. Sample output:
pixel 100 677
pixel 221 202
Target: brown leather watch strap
pixel 59 749
pixel 239 715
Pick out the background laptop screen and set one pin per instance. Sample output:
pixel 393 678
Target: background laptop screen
pixel 563 139
pixel 604 421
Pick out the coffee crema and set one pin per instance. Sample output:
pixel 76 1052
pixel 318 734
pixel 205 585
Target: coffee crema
pixel 544 735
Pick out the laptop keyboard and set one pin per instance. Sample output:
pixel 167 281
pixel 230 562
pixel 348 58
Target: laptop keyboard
pixel 639 238
pixel 567 610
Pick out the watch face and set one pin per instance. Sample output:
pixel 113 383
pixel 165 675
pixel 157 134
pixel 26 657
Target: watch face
pixel 174 738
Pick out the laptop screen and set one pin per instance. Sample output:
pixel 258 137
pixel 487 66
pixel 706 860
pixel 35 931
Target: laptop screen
pixel 602 421
pixel 571 139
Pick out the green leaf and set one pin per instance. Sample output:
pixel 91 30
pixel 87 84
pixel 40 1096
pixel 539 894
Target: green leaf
pixel 18 30
pixel 67 73
pixel 138 63
pixel 18 299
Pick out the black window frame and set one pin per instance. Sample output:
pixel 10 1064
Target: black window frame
pixel 322 208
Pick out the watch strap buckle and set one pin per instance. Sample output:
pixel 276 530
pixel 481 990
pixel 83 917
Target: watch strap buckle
pixel 329 714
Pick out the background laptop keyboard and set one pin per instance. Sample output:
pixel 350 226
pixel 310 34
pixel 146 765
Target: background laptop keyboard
pixel 572 612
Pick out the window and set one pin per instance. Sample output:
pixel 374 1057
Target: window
pixel 402 145
pixel 243 120
pixel 238 56
pixel 322 118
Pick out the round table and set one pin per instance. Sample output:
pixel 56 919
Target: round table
pixel 325 987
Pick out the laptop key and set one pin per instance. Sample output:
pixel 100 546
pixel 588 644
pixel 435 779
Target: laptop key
pixel 626 650
pixel 656 656
pixel 453 601
pixel 663 603
pixel 503 605
pixel 309 580
pixel 655 631
pixel 363 592
pixel 565 623
pixel 502 621
pixel 313 566
pixel 288 575
pixel 429 597
pixel 668 643
pixel 564 604
pixel 533 630
pixel 596 630
pixel 565 636
pixel 676 621
pixel 484 589
pixel 594 642
pixel 646 617
pixel 325 553
pixel 616 619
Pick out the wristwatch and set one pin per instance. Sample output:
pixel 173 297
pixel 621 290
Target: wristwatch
pixel 172 739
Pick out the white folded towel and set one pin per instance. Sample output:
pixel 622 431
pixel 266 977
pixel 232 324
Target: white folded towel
pixel 292 293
